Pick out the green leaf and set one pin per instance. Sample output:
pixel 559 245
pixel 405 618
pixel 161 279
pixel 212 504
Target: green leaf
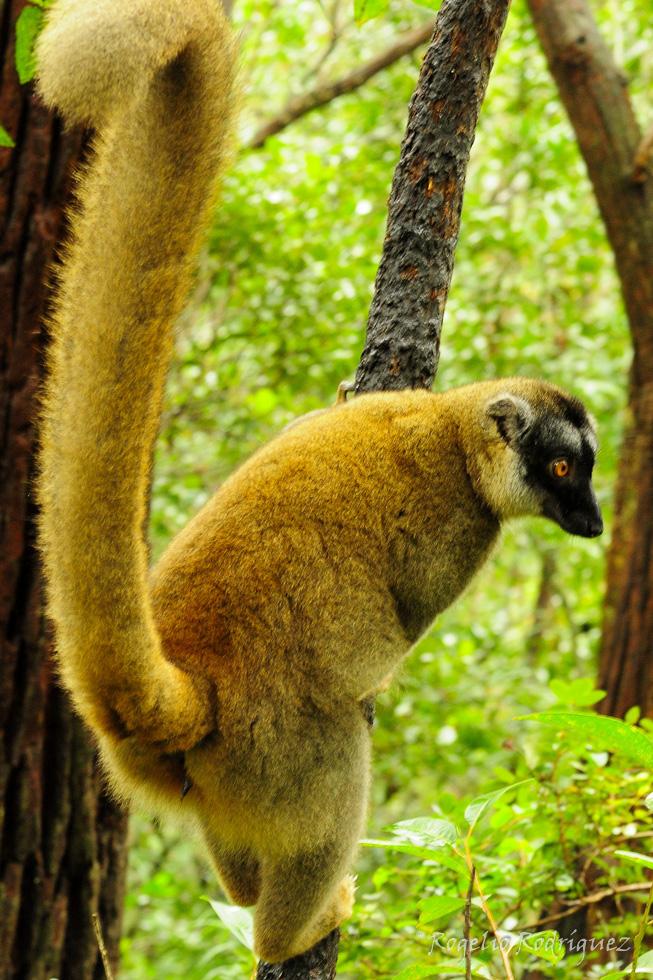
pixel 608 733
pixel 441 855
pixel 439 907
pixel 28 27
pixel 482 803
pixel 431 830
pixel 636 858
pixel 416 973
pixel 367 9
pixel 580 692
pixel 633 715
pixel 547 945
pixel 456 969
pixel 238 921
pixel 5 138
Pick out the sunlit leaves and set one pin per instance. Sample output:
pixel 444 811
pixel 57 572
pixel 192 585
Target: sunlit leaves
pixel 606 733
pixel 579 692
pixel 367 9
pixel 475 810
pixel 28 26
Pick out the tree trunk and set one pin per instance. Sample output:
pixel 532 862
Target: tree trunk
pixel 595 95
pixel 62 854
pixel 403 331
pixel 402 345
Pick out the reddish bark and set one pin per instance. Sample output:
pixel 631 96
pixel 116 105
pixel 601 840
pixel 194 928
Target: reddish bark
pixel 595 94
pixel 61 840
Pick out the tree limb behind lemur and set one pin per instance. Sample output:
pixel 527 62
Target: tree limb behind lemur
pixel 326 92
pixel 162 109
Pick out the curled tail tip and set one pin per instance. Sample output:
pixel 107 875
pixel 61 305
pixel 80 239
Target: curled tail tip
pixel 94 57
pixel 76 70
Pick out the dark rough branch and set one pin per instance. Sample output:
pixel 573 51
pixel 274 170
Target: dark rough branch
pixel 318 963
pixel 322 94
pixel 403 330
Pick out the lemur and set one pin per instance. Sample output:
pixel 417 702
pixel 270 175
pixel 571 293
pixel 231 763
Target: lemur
pixel 239 666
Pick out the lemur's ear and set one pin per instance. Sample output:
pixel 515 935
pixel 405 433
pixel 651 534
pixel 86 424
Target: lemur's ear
pixel 512 414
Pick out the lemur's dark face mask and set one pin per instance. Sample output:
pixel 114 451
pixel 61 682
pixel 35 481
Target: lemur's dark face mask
pixel 559 460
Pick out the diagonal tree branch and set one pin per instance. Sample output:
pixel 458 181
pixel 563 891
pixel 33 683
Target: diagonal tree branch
pixel 643 163
pixel 326 92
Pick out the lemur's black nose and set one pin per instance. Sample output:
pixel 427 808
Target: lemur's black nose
pixel 594 527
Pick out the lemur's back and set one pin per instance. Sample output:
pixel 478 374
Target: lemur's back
pixel 329 551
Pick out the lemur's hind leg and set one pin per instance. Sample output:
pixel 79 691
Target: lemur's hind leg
pixel 302 899
pixel 307 892
pixel 239 871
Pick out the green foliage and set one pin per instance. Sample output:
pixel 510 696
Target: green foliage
pixel 28 27
pixel 367 9
pixel 5 138
pixel 606 733
pixel 540 838
pixel 276 323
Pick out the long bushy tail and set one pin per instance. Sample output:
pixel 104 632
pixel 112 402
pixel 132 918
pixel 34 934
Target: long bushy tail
pixel 155 77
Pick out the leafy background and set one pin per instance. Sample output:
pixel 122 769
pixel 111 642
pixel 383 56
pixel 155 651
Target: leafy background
pixel 276 322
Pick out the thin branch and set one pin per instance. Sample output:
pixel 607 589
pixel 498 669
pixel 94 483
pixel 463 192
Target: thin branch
pixel 336 31
pixel 322 94
pixel 643 163
pixel 642 931
pixel 467 929
pixel 635 886
pixel 494 929
pixel 97 928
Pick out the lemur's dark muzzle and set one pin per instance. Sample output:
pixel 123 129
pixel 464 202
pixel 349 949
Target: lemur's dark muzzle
pixel 584 520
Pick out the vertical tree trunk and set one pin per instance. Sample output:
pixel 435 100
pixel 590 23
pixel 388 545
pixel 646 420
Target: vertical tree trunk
pixel 62 854
pixel 402 345
pixel 595 95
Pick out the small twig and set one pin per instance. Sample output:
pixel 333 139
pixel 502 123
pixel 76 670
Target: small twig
pixel 326 92
pixel 643 158
pixel 494 929
pixel 635 886
pixel 467 930
pixel 641 931
pixel 97 928
pixel 336 33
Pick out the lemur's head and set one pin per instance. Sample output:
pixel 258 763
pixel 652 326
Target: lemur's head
pixel 551 445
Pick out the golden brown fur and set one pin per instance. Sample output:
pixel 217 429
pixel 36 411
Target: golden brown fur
pixel 157 79
pixel 299 588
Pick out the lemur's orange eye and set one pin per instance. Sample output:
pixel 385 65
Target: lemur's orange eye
pixel 560 468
